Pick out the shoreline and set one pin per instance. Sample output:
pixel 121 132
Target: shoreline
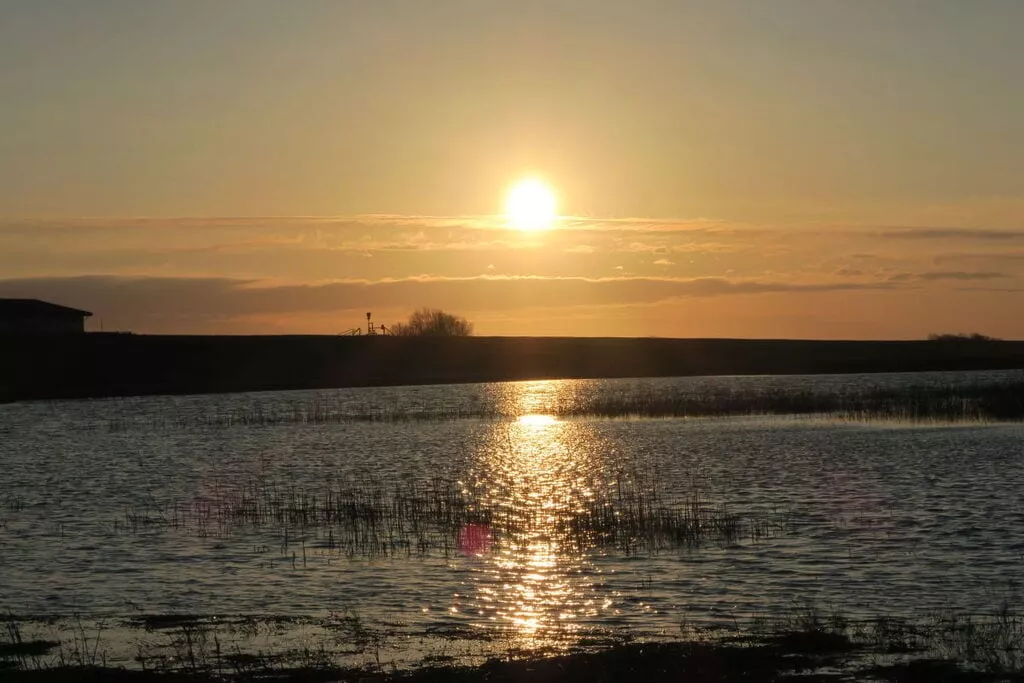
pixel 808 647
pixel 98 365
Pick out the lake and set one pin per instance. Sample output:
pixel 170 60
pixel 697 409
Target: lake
pixel 500 515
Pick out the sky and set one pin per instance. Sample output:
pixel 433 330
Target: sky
pixel 724 168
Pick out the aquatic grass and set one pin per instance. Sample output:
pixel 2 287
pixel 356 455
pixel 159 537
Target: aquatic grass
pixel 962 402
pixel 974 402
pixel 81 650
pixel 991 642
pixel 19 652
pixel 994 643
pixel 370 519
pixel 805 640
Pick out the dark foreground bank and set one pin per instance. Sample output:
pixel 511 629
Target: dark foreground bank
pixel 97 365
pixel 806 657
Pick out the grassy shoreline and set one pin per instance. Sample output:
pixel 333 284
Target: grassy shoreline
pixel 803 645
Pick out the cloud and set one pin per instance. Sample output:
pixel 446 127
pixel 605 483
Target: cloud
pixel 992 290
pixel 330 257
pixel 652 225
pixel 949 234
pixel 959 275
pixel 141 301
pixel 134 242
pixel 990 257
pixel 939 275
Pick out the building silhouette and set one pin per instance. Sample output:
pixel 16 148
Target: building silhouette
pixel 32 316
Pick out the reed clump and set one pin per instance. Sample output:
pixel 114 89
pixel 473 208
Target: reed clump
pixel 374 520
pixel 992 642
pixel 961 402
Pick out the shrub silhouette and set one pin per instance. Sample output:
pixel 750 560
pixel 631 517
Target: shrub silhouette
pixel 975 337
pixel 433 322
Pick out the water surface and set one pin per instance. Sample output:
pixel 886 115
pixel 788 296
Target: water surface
pixel 190 505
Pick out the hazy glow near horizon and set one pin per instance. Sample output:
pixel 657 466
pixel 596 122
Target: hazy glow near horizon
pixel 531 205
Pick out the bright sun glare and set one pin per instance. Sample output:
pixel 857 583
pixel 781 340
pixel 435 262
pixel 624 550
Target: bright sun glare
pixel 531 205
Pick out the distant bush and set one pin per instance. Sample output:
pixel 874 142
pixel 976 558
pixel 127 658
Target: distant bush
pixel 975 337
pixel 433 322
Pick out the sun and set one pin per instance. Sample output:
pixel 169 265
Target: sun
pixel 531 205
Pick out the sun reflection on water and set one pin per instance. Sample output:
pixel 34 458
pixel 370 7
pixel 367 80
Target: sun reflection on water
pixel 537 420
pixel 535 473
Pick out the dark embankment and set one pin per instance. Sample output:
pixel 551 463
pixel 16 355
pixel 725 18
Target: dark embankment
pixel 95 365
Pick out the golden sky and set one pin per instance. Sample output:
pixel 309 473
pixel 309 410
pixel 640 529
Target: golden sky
pixel 585 276
pixel 750 168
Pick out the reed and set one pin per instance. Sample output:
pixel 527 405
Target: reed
pixel 370 519
pixel 947 402
pixel 802 641
pixel 950 402
pixel 17 651
pixel 992 642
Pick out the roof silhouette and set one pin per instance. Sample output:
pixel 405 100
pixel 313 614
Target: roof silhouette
pixel 31 307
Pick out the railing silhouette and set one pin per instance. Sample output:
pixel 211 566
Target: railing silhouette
pixel 380 330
